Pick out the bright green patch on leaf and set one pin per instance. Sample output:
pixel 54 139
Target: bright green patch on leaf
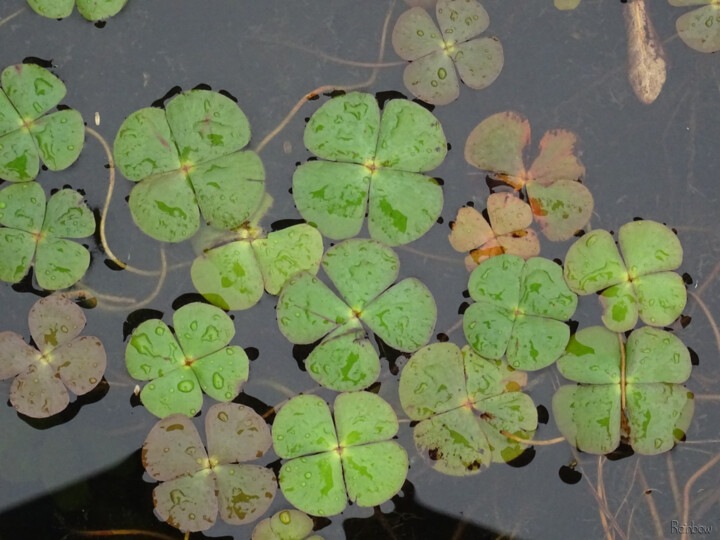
pixel 179 370
pixel 27 134
pixel 403 315
pixel 463 403
pixel 518 311
pixel 186 157
pixel 30 229
pixel 700 28
pixel 560 203
pixel 640 283
pixel 197 485
pixel 657 409
pixel 329 462
pixel 434 53
pixel 373 164
pixel 63 362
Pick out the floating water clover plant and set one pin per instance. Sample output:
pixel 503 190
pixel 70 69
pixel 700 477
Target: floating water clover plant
pixel 361 270
pixel 285 525
pixel 372 164
pixel 641 282
pixel 560 203
pixel 185 156
pixel 518 311
pixel 631 390
pixel 197 485
pixel 180 370
pixel 463 403
pixel 27 134
pixel 510 218
pixel 92 10
pixel 434 54
pixel 700 28
pixel 30 228
pixel 232 276
pixel 62 360
pixel 327 464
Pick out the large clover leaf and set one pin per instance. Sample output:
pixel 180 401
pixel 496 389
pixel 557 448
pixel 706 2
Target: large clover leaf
pixel 560 203
pixel 27 134
pixel 285 525
pixel 518 311
pixel 330 463
pixel 196 484
pixel 64 360
pixel 92 10
pixel 371 162
pixel 629 389
pixel 510 218
pixel 643 284
pixel 180 372
pixel 185 156
pixel 32 229
pixel 232 276
pixel 463 403
pixel 700 28
pixel 361 270
pixel 434 55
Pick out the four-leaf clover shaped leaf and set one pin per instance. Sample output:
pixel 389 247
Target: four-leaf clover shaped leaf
pixel 507 231
pixel 561 204
pixel 181 369
pixel 518 311
pixel 92 10
pixel 464 403
pixel 361 270
pixel 331 462
pixel 434 55
pixel 62 360
pixel 27 134
pixel 632 389
pixel 197 485
pixel 641 282
pixel 372 163
pixel 32 229
pixel 188 155
pixel 700 28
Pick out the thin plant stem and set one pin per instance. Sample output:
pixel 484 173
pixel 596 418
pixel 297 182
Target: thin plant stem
pixel 11 16
pixel 622 374
pixel 709 316
pixel 531 441
pixel 688 486
pixel 430 255
pixel 628 491
pixel 651 505
pixel 153 294
pixel 673 483
pixel 602 506
pixel 329 88
pixel 709 279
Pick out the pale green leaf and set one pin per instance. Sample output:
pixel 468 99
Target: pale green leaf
pixel 363 417
pixel 59 138
pixel 374 472
pixel 303 426
pixel 315 484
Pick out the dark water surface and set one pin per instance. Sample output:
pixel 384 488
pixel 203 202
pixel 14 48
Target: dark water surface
pixel 563 70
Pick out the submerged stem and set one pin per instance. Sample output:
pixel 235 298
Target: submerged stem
pixel 11 16
pixel 531 441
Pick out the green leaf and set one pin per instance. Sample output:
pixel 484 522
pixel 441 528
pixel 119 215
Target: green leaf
pixel 221 374
pixel 479 62
pixel 513 412
pixel 19 159
pixel 363 417
pixel 461 20
pixel 566 5
pixel 656 356
pixel 173 448
pixel 592 357
pixel 22 206
pixel 9 118
pixel 561 209
pixel 188 503
pixel 16 254
pixel 497 282
pixel 700 28
pixel 59 137
pixel 54 9
pixel 620 310
pixel 488 328
pixel 68 216
pixel 33 90
pixel 374 472
pixel 177 391
pixel 314 484
pixel 661 297
pixel 432 78
pixel 543 291
pixel 96 10
pixel 404 316
pixel 284 525
pixel 648 246
pixel 536 342
pixel 303 426
pixel 152 351
pixel 202 329
pixel 244 492
pixel 236 433
pixel 497 143
pixel 332 196
pixel 60 263
pixel 593 263
pixel 345 129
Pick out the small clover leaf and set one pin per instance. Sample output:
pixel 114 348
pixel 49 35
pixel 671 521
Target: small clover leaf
pixel 331 462
pixel 92 10
pixel 463 403
pixel 510 218
pixel 232 276
pixel 643 284
pixel 518 311
pixel 285 525
pixel 361 270
pixel 434 55
pixel 372 163
pixel 27 134
pixel 700 28
pixel 560 203
pixel 179 370
pixel 186 156
pixel 62 361
pixel 646 404
pixel 195 484
pixel 30 229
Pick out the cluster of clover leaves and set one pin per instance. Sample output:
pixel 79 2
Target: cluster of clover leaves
pixel 189 161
